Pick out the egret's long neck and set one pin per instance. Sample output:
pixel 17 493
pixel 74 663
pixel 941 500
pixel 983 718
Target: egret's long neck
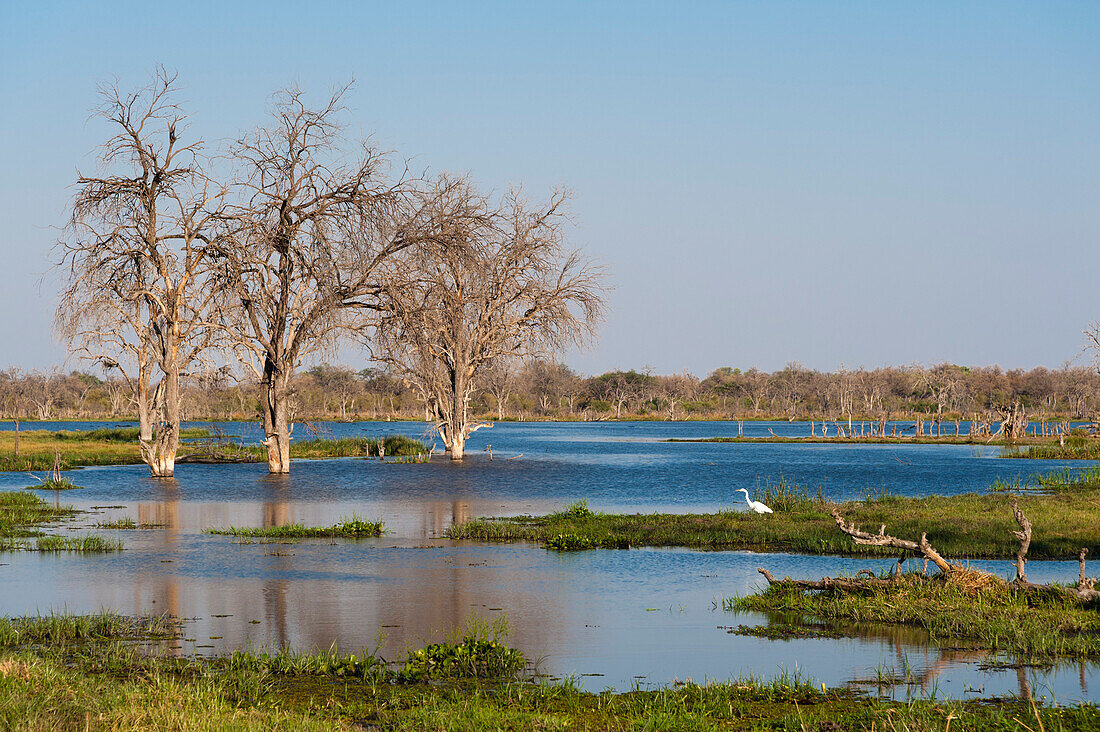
pixel 747 501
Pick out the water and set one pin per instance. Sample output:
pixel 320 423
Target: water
pixel 616 618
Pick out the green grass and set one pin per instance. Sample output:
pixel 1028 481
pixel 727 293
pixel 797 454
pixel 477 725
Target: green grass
pixel 60 628
pixel 396 445
pixel 1062 508
pixel 86 673
pixel 103 446
pixel 348 528
pixel 119 446
pixel 87 544
pixel 995 618
pixel 21 513
pixel 125 523
pixel 1076 447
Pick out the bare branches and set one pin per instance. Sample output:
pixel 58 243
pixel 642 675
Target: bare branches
pixel 487 281
pixel 310 228
pixel 136 256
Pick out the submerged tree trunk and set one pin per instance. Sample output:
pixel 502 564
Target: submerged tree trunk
pixel 275 407
pixel 159 450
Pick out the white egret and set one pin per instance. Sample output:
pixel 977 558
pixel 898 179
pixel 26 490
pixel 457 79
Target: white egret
pixel 755 505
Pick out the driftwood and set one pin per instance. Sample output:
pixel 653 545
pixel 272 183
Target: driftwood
pixel 865 580
pixel 884 539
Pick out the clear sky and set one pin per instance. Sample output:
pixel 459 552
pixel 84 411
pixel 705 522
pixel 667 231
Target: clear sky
pixel 857 183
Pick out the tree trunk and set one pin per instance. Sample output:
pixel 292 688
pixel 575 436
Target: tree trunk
pixel 275 411
pixel 159 451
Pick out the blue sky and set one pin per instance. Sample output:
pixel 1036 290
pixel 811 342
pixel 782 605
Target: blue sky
pixel 824 182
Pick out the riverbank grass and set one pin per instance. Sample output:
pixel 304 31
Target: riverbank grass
pixel 68 449
pixel 1063 508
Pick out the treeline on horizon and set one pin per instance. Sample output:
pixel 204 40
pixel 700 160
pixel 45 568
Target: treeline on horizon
pixel 545 390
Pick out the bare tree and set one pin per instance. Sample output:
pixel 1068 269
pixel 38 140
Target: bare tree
pixel 311 228
pixel 497 282
pixel 136 256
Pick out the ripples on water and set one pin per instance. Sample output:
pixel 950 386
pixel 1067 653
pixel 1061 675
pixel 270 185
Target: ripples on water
pixel 641 616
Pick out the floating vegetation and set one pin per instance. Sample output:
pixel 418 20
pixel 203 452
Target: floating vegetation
pixel 126 523
pixel 89 544
pixel 20 511
pixel 348 528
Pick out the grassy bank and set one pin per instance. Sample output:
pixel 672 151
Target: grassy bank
pixel 118 446
pixel 972 525
pixel 56 679
pixel 349 528
pixel 106 446
pixel 994 618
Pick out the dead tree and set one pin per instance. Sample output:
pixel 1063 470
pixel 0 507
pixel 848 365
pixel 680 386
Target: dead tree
pixel 497 282
pixel 136 258
pixel 311 227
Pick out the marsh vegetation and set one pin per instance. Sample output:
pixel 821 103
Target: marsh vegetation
pixel 971 525
pixel 87 673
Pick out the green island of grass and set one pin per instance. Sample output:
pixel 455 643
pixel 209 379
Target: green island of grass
pixel 21 515
pixel 1074 447
pixel 1063 510
pixel 39 449
pixel 87 673
pixel 350 528
pixel 990 616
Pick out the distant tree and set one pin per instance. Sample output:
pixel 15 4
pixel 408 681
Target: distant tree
pixel 497 282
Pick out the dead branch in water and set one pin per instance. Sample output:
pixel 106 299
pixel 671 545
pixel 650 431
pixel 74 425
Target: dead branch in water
pixel 884 539
pixel 971 580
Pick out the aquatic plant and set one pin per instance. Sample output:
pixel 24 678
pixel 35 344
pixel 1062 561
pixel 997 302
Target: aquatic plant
pixel 353 527
pixel 89 544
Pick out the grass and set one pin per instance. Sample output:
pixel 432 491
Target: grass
pixel 1062 508
pixel 61 628
pixel 119 446
pixel 88 544
pixel 348 528
pixel 104 446
pixel 84 674
pixel 395 445
pixel 125 523
pixel 994 618
pixel 21 513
